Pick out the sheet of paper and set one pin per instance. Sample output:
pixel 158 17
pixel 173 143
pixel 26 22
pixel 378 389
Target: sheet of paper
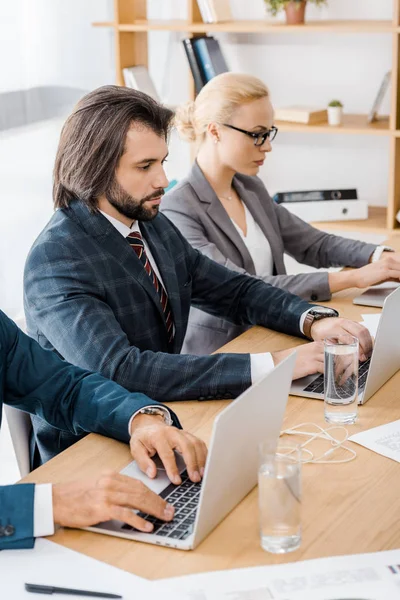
pixel 371 322
pixel 360 577
pixel 52 564
pixel 384 440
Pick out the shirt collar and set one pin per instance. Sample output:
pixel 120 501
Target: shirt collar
pixel 121 227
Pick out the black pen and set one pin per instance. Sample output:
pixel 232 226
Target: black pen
pixel 48 589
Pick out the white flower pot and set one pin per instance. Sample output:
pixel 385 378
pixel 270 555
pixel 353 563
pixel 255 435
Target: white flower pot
pixel 335 114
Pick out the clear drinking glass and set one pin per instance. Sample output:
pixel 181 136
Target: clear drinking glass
pixel 279 492
pixel 341 380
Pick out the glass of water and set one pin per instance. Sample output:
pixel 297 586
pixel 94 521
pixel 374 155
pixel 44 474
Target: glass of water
pixel 341 380
pixel 279 492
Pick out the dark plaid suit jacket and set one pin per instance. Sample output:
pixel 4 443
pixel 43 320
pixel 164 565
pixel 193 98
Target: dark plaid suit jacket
pixel 88 297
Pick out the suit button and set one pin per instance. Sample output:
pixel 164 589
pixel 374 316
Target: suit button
pixel 314 297
pixel 9 530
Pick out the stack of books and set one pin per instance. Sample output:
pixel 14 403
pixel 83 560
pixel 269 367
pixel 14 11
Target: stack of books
pixel 215 11
pixel 205 59
pixel 301 114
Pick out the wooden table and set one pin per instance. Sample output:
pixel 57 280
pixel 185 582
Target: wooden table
pixel 347 508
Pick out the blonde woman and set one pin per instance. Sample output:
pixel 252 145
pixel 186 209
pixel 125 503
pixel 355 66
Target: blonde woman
pixel 225 211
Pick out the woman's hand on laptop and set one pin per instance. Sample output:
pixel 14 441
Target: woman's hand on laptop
pixel 150 436
pixel 110 496
pixel 387 268
pixel 309 359
pixel 335 327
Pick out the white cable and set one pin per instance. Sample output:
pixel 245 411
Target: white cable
pixel 323 434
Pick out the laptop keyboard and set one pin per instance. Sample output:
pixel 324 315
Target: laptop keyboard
pixel 185 498
pixel 317 386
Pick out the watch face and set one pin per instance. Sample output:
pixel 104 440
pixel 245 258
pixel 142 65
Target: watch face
pixel 322 311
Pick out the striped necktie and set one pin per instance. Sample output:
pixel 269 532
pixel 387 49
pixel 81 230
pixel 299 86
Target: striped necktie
pixel 136 242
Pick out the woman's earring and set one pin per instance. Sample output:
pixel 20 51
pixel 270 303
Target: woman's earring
pixel 216 140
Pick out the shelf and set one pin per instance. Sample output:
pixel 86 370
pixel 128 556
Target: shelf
pixel 258 26
pixel 352 124
pixel 375 223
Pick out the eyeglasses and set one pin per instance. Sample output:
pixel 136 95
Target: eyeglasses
pixel 259 138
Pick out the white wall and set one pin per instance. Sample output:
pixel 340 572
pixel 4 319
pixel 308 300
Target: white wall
pixel 308 69
pixel 52 42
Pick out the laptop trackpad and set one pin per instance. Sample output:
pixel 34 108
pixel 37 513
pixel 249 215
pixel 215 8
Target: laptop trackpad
pixel 158 484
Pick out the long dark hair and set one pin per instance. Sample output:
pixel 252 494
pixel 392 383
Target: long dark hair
pixel 93 140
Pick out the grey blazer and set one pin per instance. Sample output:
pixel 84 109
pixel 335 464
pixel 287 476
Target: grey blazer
pixel 194 208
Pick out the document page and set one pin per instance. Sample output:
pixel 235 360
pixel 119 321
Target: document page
pixel 384 440
pixel 51 564
pixel 374 576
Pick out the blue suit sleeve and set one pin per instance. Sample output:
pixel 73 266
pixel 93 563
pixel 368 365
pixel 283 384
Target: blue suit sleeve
pixel 67 397
pixel 16 516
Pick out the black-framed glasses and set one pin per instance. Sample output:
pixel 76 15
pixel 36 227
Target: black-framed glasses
pixel 259 138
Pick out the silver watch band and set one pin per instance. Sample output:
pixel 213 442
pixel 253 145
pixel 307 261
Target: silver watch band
pixel 157 410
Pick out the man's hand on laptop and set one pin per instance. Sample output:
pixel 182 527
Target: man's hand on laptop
pixel 335 327
pixel 309 359
pixel 150 436
pixel 110 496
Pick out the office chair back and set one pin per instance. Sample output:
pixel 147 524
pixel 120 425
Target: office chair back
pixel 20 427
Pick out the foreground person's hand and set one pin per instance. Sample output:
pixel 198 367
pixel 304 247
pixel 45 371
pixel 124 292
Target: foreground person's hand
pixel 111 496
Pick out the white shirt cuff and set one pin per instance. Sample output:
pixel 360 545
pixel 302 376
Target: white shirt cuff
pixel 260 365
pixel 43 522
pixel 151 406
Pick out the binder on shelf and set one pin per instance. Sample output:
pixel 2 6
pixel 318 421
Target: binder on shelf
pixel 326 210
pixel 205 11
pixel 138 78
pixel 316 196
pixel 194 67
pixel 215 11
pixel 209 57
pixel 302 114
pixel 373 114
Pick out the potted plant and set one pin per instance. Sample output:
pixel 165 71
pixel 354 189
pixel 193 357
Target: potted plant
pixel 295 9
pixel 335 112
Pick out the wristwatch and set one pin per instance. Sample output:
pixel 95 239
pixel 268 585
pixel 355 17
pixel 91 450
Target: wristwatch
pixel 377 253
pixel 157 410
pixel 315 314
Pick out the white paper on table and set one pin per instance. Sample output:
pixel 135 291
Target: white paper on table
pixel 384 440
pixel 51 564
pixel 371 322
pixel 374 576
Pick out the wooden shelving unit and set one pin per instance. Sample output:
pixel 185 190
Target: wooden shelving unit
pixel 253 26
pixel 131 27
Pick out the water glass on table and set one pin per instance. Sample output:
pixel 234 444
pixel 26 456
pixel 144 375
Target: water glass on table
pixel 341 380
pixel 279 492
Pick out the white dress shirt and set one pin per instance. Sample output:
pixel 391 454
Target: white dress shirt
pixel 257 244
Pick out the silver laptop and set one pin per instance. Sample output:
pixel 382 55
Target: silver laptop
pixel 376 295
pixel 374 372
pixel 231 469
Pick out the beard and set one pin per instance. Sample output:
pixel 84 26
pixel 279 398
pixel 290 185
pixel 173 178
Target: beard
pixel 131 207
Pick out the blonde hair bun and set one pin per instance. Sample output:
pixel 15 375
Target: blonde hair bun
pixel 216 102
pixel 184 121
